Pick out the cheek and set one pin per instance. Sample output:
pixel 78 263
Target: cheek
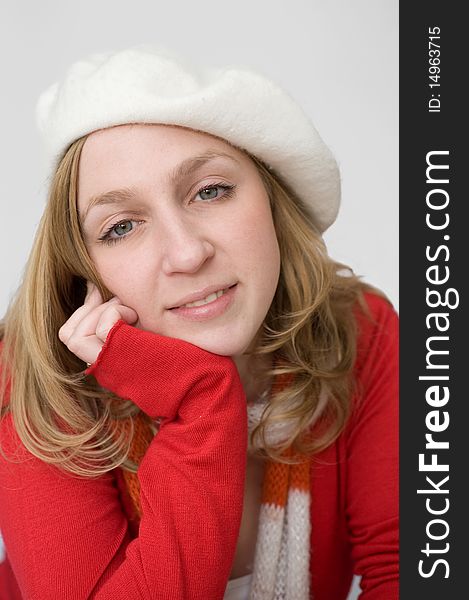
pixel 260 247
pixel 120 275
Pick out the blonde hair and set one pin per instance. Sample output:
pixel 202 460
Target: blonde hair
pixel 65 418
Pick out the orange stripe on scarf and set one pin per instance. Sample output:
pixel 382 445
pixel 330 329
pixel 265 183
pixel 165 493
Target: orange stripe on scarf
pixel 142 438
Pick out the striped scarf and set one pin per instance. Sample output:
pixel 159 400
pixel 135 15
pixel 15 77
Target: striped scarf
pixel 282 556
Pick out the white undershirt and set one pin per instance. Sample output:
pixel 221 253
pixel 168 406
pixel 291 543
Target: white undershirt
pixel 238 589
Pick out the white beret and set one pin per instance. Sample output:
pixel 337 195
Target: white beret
pixel 147 84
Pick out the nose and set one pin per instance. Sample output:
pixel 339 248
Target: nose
pixel 185 248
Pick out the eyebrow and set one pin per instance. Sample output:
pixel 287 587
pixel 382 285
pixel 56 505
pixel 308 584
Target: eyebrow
pixel 184 169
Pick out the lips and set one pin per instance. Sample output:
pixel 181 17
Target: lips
pixel 209 294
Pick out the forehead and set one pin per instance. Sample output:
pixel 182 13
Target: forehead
pixel 121 142
pixel 127 155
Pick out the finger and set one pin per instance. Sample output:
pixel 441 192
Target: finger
pixel 93 299
pixel 82 339
pixel 93 295
pixel 88 346
pixel 78 319
pixel 91 350
pixel 89 323
pixel 110 317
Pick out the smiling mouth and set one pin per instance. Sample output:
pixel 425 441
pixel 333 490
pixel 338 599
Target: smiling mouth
pixel 207 300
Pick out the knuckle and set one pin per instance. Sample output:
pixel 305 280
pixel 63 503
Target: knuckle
pixel 74 344
pixel 107 320
pixel 103 330
pixel 63 334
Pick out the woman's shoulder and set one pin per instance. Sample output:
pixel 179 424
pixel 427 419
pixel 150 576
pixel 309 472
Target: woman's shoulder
pixel 8 434
pixel 4 400
pixel 9 439
pixel 376 370
pixel 375 313
pixel 378 328
pixel 379 305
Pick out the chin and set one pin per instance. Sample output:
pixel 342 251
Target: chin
pixel 222 342
pixel 221 348
pixel 221 345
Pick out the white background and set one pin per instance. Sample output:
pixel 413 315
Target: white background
pixel 338 58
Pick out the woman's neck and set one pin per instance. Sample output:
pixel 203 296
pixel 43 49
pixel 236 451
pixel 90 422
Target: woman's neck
pixel 250 368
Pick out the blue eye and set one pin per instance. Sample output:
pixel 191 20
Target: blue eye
pixel 122 228
pixel 211 192
pixel 117 231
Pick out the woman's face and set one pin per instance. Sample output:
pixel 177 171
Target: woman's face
pixel 179 227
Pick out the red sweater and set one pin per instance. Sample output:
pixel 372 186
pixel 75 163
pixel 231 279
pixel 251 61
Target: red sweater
pixel 69 538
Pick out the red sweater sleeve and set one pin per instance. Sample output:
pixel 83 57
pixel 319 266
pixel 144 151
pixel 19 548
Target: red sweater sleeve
pixel 372 446
pixel 68 537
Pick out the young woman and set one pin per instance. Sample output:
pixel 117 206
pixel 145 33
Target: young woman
pixel 198 402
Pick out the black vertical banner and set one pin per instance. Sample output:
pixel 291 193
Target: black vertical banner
pixel 434 266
